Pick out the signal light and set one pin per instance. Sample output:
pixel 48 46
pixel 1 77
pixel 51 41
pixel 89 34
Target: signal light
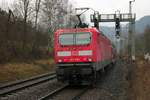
pixel 117 33
pixel 117 28
pixel 117 23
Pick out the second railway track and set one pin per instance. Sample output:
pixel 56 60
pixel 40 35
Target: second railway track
pixel 66 93
pixel 22 84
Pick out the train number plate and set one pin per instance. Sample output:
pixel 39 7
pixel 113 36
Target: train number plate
pixel 74 53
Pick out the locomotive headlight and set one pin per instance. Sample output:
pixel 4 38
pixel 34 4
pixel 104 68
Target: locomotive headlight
pixel 89 59
pixel 85 53
pixel 63 53
pixel 59 60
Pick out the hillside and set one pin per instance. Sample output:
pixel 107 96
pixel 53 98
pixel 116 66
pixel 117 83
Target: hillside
pixel 142 23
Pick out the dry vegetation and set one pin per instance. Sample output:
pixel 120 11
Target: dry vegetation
pixel 140 81
pixel 16 71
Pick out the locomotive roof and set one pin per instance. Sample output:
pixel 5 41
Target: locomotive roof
pixel 77 30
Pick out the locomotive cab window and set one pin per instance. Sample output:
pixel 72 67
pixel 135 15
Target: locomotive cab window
pixel 83 38
pixel 75 38
pixel 66 39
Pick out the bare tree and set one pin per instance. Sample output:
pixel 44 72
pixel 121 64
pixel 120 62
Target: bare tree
pixel 57 14
pixel 35 36
pixel 24 10
pixel 72 20
pixel 37 9
pixel 50 10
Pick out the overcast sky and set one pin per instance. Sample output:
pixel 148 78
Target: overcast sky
pixel 140 7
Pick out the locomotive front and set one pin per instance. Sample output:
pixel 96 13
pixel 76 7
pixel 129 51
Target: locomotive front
pixel 74 58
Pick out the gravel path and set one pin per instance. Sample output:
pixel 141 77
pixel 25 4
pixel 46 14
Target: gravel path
pixel 112 85
pixel 69 93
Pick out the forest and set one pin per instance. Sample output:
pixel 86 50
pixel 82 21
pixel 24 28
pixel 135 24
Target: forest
pixel 26 30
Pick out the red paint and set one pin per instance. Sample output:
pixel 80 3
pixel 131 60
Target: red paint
pixel 100 45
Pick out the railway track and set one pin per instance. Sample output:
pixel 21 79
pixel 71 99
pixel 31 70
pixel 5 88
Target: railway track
pixel 23 84
pixel 63 89
pixel 48 96
pixel 77 97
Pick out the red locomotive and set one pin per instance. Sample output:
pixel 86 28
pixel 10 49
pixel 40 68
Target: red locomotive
pixel 80 53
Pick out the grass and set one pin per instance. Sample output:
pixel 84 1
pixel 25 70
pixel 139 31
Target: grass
pixel 16 71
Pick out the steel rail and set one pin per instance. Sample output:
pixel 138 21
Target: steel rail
pixel 77 97
pixel 22 84
pixel 57 91
pixel 51 94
